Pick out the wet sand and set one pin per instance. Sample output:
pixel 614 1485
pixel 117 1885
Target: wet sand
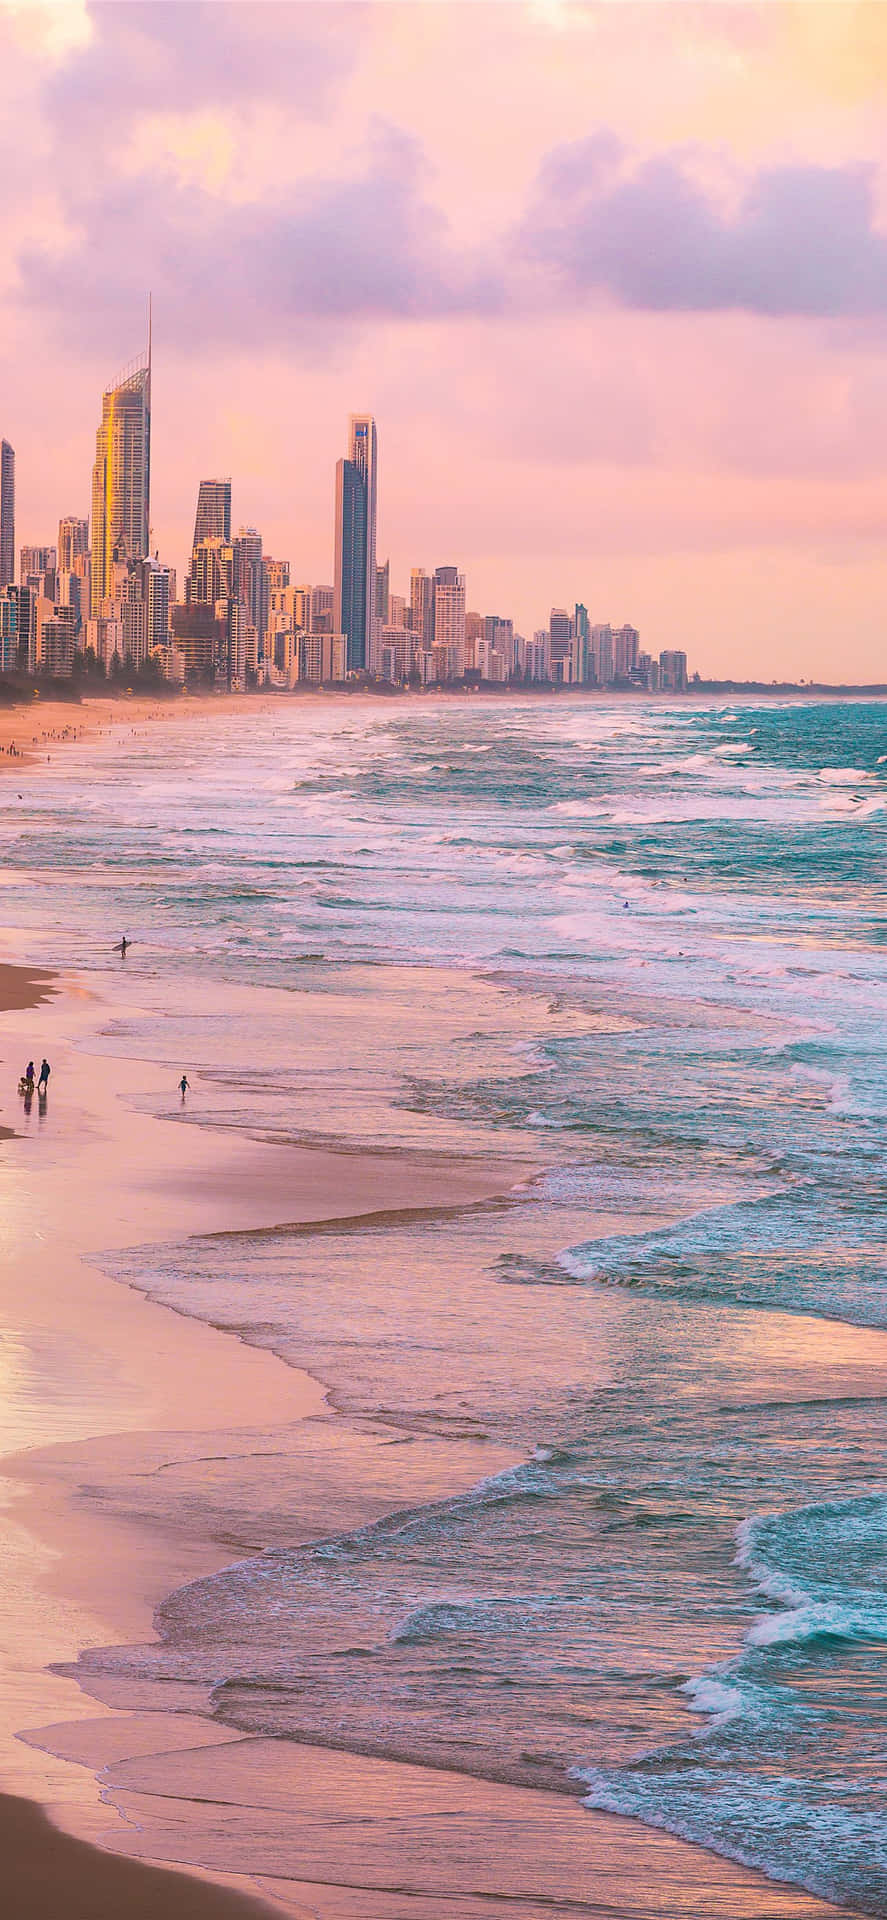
pixel 99 1384
pixel 20 989
pixel 48 1874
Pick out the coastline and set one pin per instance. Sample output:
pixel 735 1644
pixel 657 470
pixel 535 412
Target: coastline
pixel 156 1377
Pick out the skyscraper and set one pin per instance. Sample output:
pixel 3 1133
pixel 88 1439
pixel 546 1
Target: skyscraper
pixel 121 477
pixel 355 602
pixel 422 608
pixel 383 593
pixel 350 603
pixel 449 623
pixel 72 543
pixel 560 631
pixel 213 518
pixel 251 580
pixel 7 514
pixel 212 572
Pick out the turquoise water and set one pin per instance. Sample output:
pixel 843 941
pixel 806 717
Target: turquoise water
pixel 678 1600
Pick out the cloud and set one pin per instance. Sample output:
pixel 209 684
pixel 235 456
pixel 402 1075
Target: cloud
pixel 799 240
pixel 324 251
pixel 143 55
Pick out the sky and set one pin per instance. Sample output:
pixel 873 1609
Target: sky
pixel 612 278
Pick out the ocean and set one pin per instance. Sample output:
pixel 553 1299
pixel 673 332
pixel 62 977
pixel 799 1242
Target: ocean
pixel 673 1600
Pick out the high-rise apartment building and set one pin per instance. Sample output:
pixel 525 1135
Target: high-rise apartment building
pixel 18 628
pixel 449 623
pixel 212 572
pixel 37 568
pixel 251 580
pixel 626 652
pixel 277 573
pixel 354 612
pixel 121 478
pixel 213 518
pixel 155 583
pixel 499 635
pixel 383 593
pixel 580 646
pixel 560 639
pixel 7 514
pixel 73 542
pixel 673 671
pixel 422 608
pixel 321 609
pixel 600 648
pixel 350 611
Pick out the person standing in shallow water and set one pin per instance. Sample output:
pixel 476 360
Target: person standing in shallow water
pixel 183 1085
pixel 43 1082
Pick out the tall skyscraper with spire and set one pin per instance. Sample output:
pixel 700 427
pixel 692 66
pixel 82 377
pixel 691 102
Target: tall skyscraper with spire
pixel 121 478
pixel 354 611
pixel 7 514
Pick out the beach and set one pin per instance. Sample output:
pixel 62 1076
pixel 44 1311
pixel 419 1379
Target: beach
pixel 155 1437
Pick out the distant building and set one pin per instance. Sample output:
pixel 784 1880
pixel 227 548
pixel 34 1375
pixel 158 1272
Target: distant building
pixel 73 543
pixel 491 664
pixel 38 569
pixel 350 613
pixel 395 654
pixel 580 649
pixel 626 650
pixel 560 638
pixel 672 671
pixel 7 514
pixel 18 629
pixel 213 518
pixel 320 619
pixel 57 638
pixel 105 637
pixel 422 608
pixel 499 636
pixel 354 612
pixel 212 575
pixel 449 623
pixel 277 573
pixel 600 651
pixel 251 580
pixel 121 478
pixel 155 583
pixel 198 634
pixel 322 658
pixel 383 586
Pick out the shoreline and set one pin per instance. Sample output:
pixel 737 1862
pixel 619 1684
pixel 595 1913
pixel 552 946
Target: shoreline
pixel 158 1376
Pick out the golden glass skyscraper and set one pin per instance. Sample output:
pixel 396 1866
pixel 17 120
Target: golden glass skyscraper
pixel 121 478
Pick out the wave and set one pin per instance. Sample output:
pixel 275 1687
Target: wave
pixel 797 1250
pixel 778 1778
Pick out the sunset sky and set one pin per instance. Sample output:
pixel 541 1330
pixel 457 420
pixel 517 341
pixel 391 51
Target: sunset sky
pixel 612 278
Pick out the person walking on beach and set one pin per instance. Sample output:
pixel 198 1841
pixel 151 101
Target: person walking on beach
pixel 183 1085
pixel 43 1082
pixel 28 1077
pixel 122 946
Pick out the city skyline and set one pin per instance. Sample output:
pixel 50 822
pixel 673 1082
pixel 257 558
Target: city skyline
pixel 98 602
pixel 119 533
pixel 646 363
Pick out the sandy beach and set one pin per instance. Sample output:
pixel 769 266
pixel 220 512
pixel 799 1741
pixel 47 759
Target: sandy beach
pixel 101 1385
